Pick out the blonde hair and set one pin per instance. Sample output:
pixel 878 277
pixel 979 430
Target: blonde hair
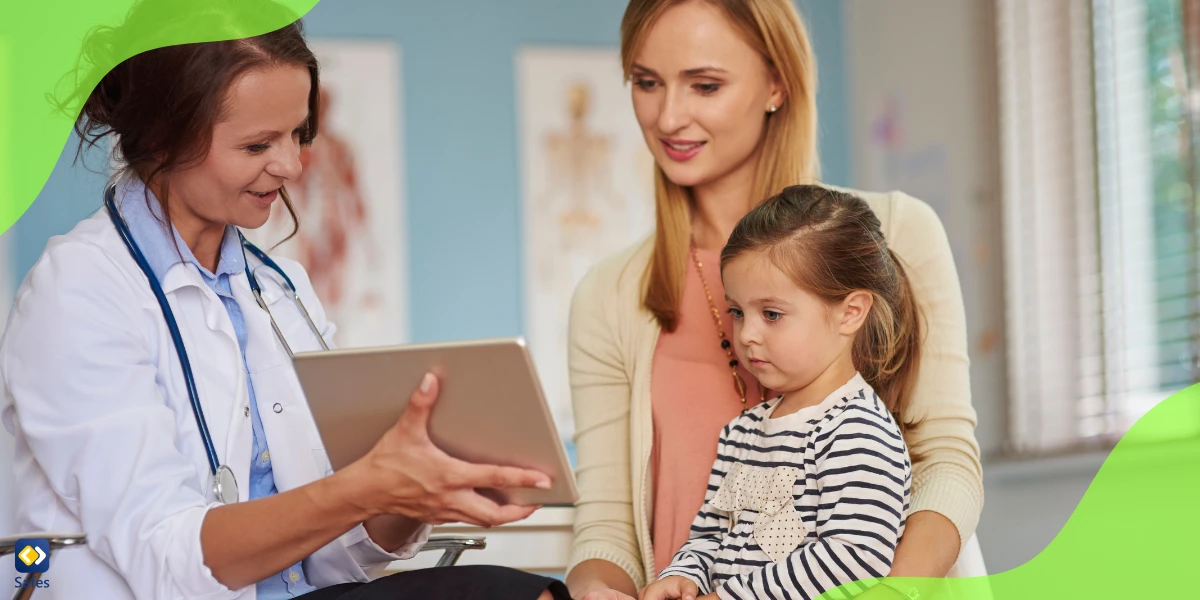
pixel 774 29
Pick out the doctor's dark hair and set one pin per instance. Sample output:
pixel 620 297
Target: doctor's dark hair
pixel 160 105
pixel 829 243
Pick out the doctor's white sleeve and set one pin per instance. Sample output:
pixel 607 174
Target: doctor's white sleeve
pixel 80 369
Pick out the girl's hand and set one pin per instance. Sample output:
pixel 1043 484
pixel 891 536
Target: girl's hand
pixel 675 587
pixel 406 474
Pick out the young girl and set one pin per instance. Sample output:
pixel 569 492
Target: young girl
pixel 810 490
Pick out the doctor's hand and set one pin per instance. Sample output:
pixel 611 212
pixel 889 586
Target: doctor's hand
pixel 406 474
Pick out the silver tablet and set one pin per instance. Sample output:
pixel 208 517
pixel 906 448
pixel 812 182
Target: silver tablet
pixel 490 407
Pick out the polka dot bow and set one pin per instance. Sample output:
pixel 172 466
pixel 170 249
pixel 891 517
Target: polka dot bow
pixel 767 492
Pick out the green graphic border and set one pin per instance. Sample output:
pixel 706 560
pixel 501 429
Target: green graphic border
pixel 1133 534
pixel 41 65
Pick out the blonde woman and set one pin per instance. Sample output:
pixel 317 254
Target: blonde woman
pixel 725 94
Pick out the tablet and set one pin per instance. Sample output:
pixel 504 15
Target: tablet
pixel 490 407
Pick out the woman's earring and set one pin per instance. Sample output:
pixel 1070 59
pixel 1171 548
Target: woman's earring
pixel 772 108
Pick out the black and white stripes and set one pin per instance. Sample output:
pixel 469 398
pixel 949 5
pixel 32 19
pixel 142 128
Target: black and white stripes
pixel 849 475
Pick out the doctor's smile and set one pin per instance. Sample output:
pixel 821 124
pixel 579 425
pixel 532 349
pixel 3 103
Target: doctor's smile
pixel 265 198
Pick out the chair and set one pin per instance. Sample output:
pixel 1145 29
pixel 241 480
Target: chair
pixel 57 540
pixel 451 546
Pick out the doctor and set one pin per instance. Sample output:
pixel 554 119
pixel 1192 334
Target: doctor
pixel 148 384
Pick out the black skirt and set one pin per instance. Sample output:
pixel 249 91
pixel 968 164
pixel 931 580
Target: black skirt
pixel 480 582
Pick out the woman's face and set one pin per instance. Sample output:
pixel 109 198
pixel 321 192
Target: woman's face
pixel 255 150
pixel 701 94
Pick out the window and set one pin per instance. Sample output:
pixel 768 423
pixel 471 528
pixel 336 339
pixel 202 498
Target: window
pixel 1100 171
pixel 1176 230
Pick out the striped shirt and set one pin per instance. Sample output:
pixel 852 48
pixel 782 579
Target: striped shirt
pixel 801 504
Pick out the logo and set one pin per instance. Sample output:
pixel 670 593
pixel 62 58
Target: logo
pixel 33 555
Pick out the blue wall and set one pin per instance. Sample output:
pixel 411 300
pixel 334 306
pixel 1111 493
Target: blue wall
pixel 460 143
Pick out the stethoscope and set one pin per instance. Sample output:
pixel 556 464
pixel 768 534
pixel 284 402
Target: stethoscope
pixel 222 485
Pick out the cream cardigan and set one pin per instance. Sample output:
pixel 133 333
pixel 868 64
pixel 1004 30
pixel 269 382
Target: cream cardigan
pixel 612 342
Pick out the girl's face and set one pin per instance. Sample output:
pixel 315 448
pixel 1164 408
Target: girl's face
pixel 255 150
pixel 701 94
pixel 786 336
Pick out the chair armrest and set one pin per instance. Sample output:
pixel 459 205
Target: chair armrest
pixel 57 540
pixel 8 545
pixel 453 546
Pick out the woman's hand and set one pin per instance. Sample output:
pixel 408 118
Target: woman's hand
pixel 675 587
pixel 598 579
pixel 406 474
pixel 606 595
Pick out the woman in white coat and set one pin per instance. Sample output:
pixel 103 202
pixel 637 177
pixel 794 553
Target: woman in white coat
pixel 107 438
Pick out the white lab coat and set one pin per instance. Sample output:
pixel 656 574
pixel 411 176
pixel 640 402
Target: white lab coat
pixel 106 442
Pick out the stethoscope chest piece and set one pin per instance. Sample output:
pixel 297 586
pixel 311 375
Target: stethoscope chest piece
pixel 224 486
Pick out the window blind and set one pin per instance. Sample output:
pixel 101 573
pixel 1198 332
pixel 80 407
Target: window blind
pixel 1100 226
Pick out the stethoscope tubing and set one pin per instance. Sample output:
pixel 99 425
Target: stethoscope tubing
pixel 173 326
